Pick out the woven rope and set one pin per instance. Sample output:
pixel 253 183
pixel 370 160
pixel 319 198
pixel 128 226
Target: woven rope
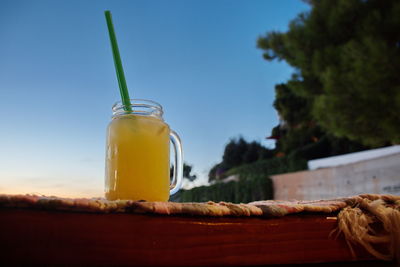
pixel 373 221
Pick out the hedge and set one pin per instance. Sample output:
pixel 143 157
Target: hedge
pixel 242 191
pixel 254 182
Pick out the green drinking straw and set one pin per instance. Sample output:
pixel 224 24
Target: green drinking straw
pixel 123 89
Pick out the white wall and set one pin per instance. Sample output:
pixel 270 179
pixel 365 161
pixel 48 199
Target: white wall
pixel 377 176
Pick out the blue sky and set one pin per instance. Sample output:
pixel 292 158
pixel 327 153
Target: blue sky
pixel 198 59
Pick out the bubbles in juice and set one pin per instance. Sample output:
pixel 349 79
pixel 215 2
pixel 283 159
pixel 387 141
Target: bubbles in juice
pixel 137 158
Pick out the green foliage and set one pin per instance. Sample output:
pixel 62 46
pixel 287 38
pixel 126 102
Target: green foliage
pixel 291 107
pixel 187 172
pixel 233 154
pixel 236 153
pixel 347 55
pixel 298 137
pixel 254 182
pixel 270 166
pixel 242 191
pixel 299 134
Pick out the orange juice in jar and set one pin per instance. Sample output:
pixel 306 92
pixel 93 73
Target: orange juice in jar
pixel 137 154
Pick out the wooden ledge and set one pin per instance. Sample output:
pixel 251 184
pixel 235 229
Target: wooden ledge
pixel 47 238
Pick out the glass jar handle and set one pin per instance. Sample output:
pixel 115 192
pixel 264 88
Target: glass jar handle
pixel 177 177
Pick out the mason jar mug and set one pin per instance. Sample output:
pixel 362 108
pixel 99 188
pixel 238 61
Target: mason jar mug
pixel 138 151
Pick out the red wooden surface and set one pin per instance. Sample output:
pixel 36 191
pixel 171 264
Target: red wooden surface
pixel 43 237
